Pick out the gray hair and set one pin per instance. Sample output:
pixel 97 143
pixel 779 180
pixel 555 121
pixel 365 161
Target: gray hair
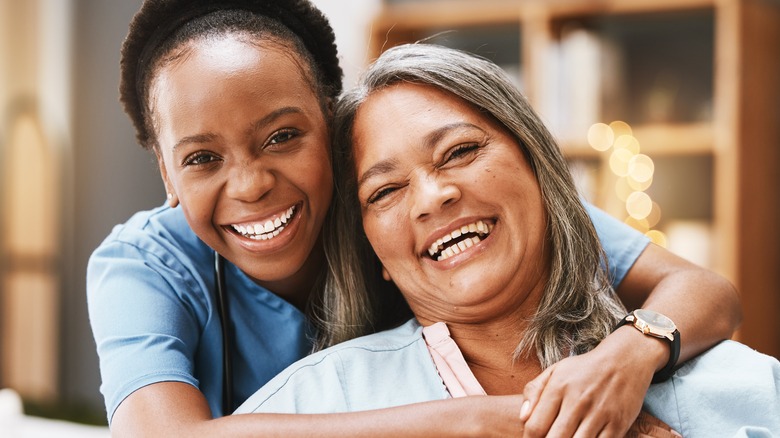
pixel 578 308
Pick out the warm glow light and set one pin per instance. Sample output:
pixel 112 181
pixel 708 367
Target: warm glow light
pixel 600 136
pixel 628 142
pixel 638 224
pixel 618 161
pixel 639 205
pixel 654 216
pixel 657 237
pixel 639 186
pixel 640 168
pixel 620 127
pixel 623 189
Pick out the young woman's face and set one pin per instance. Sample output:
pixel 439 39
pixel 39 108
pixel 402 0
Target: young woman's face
pixel 450 204
pixel 245 149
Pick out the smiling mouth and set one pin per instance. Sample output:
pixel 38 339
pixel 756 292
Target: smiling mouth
pixel 268 229
pixel 459 240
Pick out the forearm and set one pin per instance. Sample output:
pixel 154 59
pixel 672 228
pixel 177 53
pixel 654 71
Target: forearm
pixel 704 306
pixel 176 409
pixel 464 417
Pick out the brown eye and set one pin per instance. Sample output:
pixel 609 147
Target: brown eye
pixel 199 158
pixel 282 136
pixel 461 151
pixel 381 193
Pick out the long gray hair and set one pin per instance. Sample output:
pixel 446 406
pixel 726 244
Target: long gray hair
pixel 578 308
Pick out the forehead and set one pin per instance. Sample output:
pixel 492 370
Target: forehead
pixel 230 53
pixel 207 61
pixel 407 116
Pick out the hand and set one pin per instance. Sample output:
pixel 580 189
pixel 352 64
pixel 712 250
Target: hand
pixel 648 426
pixel 592 394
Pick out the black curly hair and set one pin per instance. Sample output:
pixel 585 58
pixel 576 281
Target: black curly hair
pixel 161 26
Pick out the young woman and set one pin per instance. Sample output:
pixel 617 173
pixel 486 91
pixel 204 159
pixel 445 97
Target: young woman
pixel 233 98
pixel 471 212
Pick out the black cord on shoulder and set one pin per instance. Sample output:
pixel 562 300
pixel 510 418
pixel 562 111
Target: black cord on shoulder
pixel 224 319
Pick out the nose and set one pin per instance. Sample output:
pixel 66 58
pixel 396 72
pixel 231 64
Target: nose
pixel 430 194
pixel 249 181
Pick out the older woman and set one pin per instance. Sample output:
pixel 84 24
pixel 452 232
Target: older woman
pixel 471 213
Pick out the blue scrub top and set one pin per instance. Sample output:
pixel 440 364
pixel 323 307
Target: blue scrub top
pixel 152 306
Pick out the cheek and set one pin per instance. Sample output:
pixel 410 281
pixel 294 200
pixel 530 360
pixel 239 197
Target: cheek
pixel 388 235
pixel 317 181
pixel 313 171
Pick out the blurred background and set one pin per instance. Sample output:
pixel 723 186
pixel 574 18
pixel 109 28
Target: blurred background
pixel 668 110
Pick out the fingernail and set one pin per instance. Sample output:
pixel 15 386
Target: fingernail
pixel 525 408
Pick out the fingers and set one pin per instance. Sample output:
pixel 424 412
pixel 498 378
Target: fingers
pixel 533 391
pixel 545 404
pixel 647 425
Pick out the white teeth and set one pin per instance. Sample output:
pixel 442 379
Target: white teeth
pixel 447 251
pixel 267 230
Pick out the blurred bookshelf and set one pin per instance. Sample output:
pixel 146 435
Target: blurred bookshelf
pixel 668 111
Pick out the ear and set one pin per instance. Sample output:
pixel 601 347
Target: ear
pixel 385 274
pixel 173 199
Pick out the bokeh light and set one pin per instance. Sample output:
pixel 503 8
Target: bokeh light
pixel 634 172
pixel 600 136
pixel 640 168
pixel 628 142
pixel 618 161
pixel 638 224
pixel 639 205
pixel 620 127
pixel 623 189
pixel 657 237
pixel 655 215
pixel 638 186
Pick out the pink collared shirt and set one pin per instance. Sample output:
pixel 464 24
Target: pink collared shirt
pixel 452 366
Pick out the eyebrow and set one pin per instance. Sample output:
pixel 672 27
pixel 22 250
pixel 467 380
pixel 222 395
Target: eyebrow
pixel 256 125
pixel 430 140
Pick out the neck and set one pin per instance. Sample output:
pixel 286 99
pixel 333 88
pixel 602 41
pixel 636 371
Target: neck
pixel 489 345
pixel 297 288
pixel 489 350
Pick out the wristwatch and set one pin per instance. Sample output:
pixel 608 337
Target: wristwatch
pixel 660 326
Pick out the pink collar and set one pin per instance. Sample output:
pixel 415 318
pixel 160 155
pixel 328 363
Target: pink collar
pixel 452 366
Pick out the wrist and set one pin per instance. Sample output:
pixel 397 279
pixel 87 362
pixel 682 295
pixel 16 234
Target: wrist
pixel 656 326
pixel 645 355
pixel 652 353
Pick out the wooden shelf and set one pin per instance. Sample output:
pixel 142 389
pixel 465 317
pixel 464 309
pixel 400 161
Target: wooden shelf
pixel 729 127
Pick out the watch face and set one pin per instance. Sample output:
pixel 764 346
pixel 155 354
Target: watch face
pixel 658 323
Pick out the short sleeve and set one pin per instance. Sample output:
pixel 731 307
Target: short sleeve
pixel 145 330
pixel 621 243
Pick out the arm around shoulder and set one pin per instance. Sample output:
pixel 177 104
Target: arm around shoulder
pixel 704 305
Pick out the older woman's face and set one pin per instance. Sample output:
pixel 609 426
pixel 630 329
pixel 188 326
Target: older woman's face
pixel 449 203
